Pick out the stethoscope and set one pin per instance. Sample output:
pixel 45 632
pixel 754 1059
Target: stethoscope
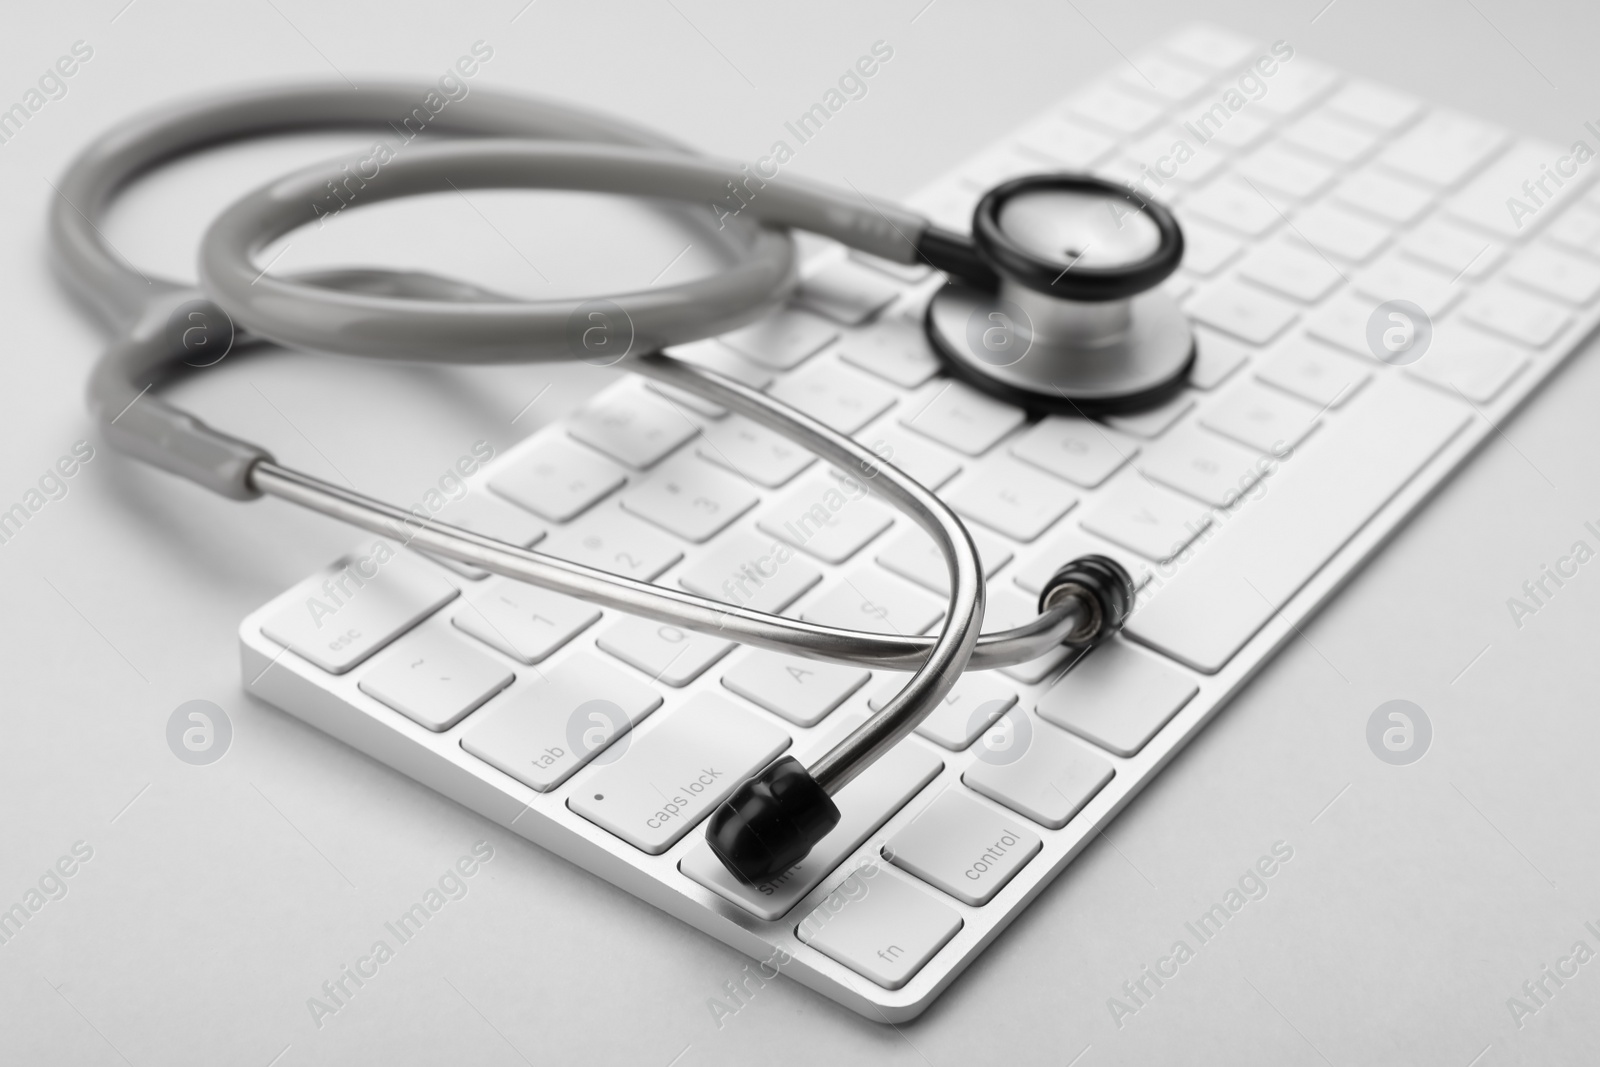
pixel 1052 304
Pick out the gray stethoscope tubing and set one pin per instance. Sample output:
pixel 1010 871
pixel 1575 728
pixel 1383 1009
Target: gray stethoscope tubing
pixel 357 312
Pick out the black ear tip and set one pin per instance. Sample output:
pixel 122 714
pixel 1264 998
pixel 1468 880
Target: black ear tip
pixel 771 822
pixel 1102 580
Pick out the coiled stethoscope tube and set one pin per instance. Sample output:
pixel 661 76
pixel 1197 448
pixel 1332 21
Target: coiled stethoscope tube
pixel 774 818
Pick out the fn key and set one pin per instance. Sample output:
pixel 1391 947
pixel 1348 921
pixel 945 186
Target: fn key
pixel 879 925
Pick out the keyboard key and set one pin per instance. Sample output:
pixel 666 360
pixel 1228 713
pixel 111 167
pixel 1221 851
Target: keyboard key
pixel 1108 108
pixel 715 356
pixel 707 355
pixel 1155 75
pixel 869 599
pixel 959 416
pixel 1494 200
pixel 1390 198
pixel 1117 696
pixel 804 691
pixel 964 847
pixel 612 540
pixel 559 720
pixel 1577 228
pixel 1068 144
pixel 752 451
pixel 1208 468
pixel 1335 231
pixel 631 426
pixel 1397 277
pixel 1011 497
pixel 1515 314
pixel 880 926
pixel 1156 523
pixel 523 621
pixel 1342 322
pixel 1083 452
pixel 689 497
pixel 434 679
pixel 827 518
pixel 913 554
pixel 1180 285
pixel 1290 269
pixel 672 776
pixel 1215 359
pixel 950 205
pixel 342 615
pixel 1243 131
pixel 1554 273
pixel 1315 374
pixel 1325 134
pixel 1207 250
pixel 998 164
pixel 1295 86
pixel 1374 105
pixel 664 652
pixel 1462 361
pixel 904 272
pixel 975 701
pixel 1220 599
pixel 686 402
pixel 1278 167
pixel 1049 781
pixel 1443 148
pixel 895 353
pixel 1234 204
pixel 847 292
pixel 1156 160
pixel 556 479
pixel 926 463
pixel 1458 252
pixel 1008 608
pixel 1265 420
pixel 752 572
pixel 784 340
pixel 1248 314
pixel 490 516
pixel 865 804
pixel 1153 422
pixel 837 395
pixel 1062 547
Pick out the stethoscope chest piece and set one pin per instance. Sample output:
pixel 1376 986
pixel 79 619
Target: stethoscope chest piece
pixel 1075 322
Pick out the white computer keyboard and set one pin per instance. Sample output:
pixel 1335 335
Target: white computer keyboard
pixel 1241 506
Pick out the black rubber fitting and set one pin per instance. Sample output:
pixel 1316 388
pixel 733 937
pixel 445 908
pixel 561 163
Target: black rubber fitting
pixel 956 255
pixel 771 822
pixel 1087 284
pixel 1103 580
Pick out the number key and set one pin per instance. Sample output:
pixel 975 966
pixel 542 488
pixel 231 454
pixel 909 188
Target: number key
pixel 614 541
pixel 835 394
pixel 690 498
pixel 1261 418
pixel 556 479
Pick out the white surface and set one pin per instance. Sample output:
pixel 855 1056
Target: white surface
pixel 222 897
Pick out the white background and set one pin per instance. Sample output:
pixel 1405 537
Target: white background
pixel 223 896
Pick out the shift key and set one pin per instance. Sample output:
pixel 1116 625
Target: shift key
pixel 671 777
pixel 864 805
